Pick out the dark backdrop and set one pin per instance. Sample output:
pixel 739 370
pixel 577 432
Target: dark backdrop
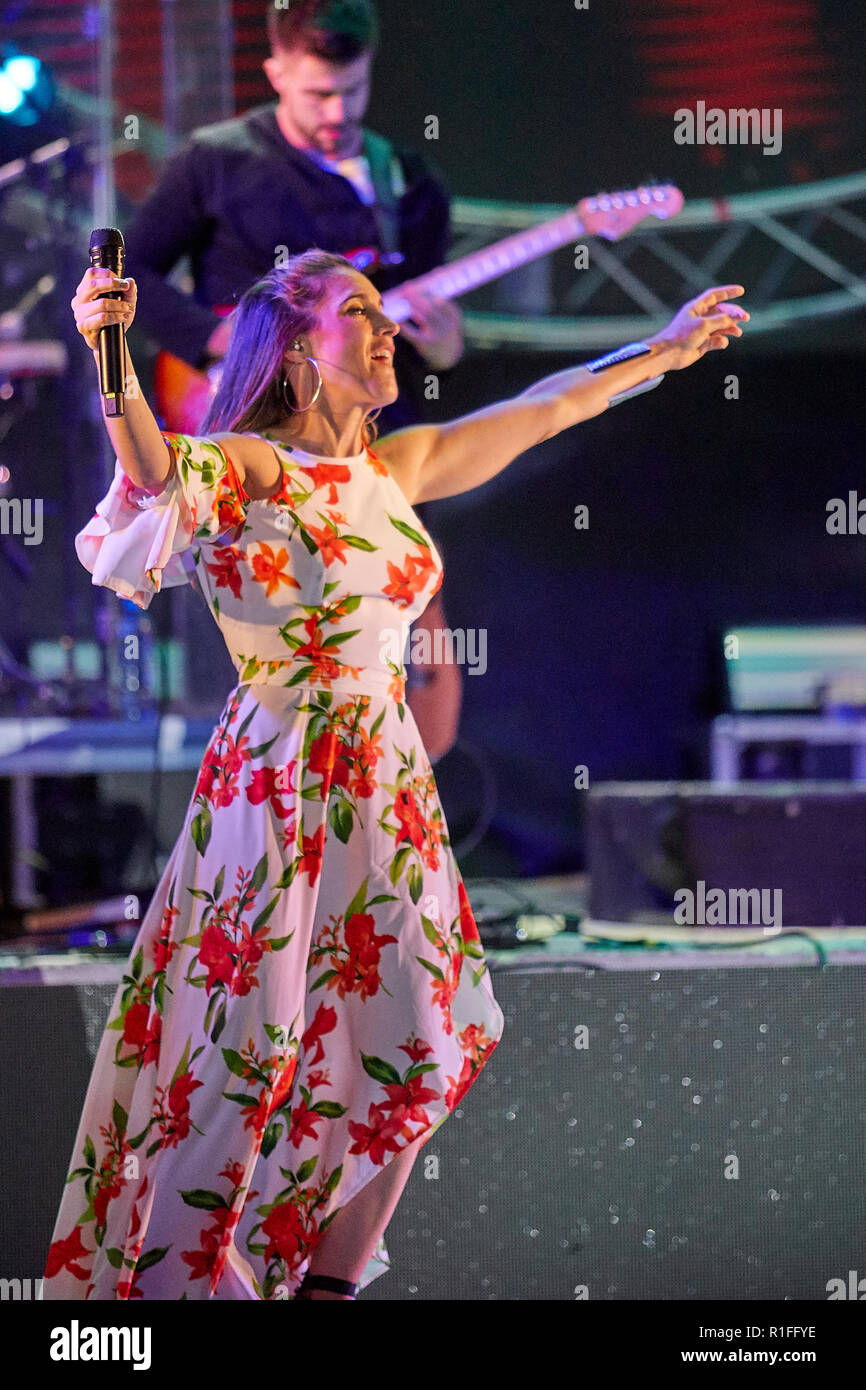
pixel 604 645
pixel 539 101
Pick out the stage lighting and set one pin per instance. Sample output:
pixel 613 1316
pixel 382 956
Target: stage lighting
pixel 26 87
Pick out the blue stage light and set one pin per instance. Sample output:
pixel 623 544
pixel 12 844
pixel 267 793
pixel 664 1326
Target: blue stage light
pixel 23 71
pixel 26 87
pixel 11 96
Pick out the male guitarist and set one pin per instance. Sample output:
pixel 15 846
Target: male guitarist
pixel 300 172
pixel 305 172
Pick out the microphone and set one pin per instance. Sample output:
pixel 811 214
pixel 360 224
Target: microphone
pixel 107 252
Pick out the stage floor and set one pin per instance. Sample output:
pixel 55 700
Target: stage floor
pixel 654 1124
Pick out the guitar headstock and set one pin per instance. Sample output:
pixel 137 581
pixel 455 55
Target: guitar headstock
pixel 612 215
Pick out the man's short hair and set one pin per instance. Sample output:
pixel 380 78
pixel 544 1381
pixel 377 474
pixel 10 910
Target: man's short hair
pixel 337 30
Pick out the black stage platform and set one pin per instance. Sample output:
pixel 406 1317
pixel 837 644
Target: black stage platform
pixel 707 1144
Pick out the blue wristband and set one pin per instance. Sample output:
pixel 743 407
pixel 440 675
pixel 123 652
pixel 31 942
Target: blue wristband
pixel 622 354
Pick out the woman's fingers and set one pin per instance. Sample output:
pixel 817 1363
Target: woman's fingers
pixel 727 323
pixel 109 311
pixel 97 282
pixel 732 311
pixel 103 317
pixel 715 331
pixel 114 307
pixel 706 301
pixel 98 279
pixel 94 311
pixel 735 311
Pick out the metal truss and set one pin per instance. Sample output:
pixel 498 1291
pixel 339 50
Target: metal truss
pixel 804 249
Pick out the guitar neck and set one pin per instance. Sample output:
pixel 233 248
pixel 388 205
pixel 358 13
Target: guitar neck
pixel 489 263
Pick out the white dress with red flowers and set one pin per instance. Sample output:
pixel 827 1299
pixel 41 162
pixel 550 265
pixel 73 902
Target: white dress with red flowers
pixel 307 993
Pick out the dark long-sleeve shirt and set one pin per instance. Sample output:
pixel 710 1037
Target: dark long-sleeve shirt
pixel 234 194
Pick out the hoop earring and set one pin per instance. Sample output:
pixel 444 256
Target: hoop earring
pixel 371 433
pixel 300 410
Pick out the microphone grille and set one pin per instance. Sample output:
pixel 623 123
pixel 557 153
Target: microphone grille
pixel 106 237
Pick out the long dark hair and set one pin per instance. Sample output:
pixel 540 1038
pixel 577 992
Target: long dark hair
pixel 269 317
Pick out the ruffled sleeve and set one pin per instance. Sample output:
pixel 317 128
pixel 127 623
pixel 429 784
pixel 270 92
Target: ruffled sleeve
pixel 135 541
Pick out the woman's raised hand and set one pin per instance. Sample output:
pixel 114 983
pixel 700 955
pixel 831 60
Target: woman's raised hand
pixel 702 325
pixel 92 313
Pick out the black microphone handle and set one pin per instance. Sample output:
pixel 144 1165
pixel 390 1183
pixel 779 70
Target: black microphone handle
pixel 112 350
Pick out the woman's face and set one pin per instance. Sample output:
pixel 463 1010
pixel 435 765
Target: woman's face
pixel 353 343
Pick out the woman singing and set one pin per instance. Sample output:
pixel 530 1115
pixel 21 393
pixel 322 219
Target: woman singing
pixel 307 998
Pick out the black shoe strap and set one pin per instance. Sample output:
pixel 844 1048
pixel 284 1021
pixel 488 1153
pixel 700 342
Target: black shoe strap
pixel 324 1281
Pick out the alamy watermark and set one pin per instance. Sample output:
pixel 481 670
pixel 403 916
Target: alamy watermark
pixel 20 1290
pixel 77 1343
pixel 853 1288
pixel 443 646
pixel 847 516
pixel 733 907
pixel 737 126
pixel 22 516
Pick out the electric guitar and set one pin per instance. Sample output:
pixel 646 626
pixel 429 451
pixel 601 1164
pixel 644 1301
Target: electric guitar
pixel 183 394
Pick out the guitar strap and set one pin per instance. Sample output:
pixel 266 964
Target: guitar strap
pixel 386 174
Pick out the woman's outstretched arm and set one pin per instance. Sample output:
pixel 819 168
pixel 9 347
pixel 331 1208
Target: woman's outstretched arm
pixel 434 461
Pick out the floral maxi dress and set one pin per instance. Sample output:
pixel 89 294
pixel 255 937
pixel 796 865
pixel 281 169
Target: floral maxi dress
pixel 307 993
